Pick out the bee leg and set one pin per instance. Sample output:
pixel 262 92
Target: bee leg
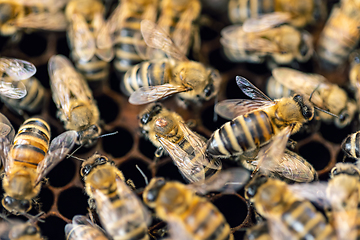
pixel 191 123
pixel 92 204
pixel 91 215
pixel 291 144
pixel 131 184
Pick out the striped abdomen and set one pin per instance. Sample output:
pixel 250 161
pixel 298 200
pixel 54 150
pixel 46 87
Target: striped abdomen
pixel 351 145
pixel 240 10
pixel 120 221
pixel 204 221
pixel 31 143
pixel 126 54
pixel 258 232
pixel 305 222
pixel 338 38
pixel 276 90
pixel 32 102
pixel 148 73
pixel 95 70
pixel 85 232
pixel 244 133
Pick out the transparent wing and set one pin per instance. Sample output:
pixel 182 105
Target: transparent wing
pixel 17 69
pixel 59 147
pixel 192 169
pixel 229 180
pixel 314 192
pixel 12 89
pixel 83 39
pixel 156 37
pixel 232 108
pixel 278 230
pixel 250 90
pixel 266 21
pixel 66 83
pixel 153 93
pixel 47 21
pixel 183 30
pixel 98 23
pixel 51 5
pixel 302 83
pixel 7 134
pixel 178 231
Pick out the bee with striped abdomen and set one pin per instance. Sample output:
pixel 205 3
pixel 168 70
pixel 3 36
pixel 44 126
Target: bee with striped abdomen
pixel 255 122
pixel 340 34
pixel 188 215
pixel 82 228
pixel 323 94
pixel 302 13
pixel 150 81
pixel 86 19
pixel 260 38
pixel 77 108
pixel 167 131
pixel 124 26
pixel 27 158
pixel 350 145
pixel 289 216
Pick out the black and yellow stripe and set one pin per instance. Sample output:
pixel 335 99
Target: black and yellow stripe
pixel 244 133
pixel 148 73
pixel 33 100
pixel 31 143
pixel 351 145
pixel 258 232
pixel 305 222
pixel 241 10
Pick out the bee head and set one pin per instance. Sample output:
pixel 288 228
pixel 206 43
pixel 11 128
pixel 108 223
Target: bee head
pixel 16 206
pixel 23 230
pixel 88 137
pixel 91 163
pixel 345 168
pixel 155 109
pixel 306 108
pixel 253 186
pixel 151 192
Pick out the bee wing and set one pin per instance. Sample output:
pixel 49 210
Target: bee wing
pixel 5 228
pixel 17 69
pixel 177 230
pixel 250 90
pixel 278 230
pixel 153 93
pixel 314 192
pixel 266 21
pixel 192 170
pixel 228 180
pixel 232 108
pixel 156 37
pixel 182 32
pixel 66 83
pixel 59 147
pixel 98 23
pixel 7 134
pixel 12 89
pixel 47 21
pixel 302 83
pixel 83 38
pixel 78 220
pixel 199 145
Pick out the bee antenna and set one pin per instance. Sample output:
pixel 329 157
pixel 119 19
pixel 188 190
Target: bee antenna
pixel 327 112
pixel 215 117
pixel 4 216
pixel 142 173
pixel 36 218
pixel 311 94
pixel 70 155
pixel 108 134
pixel 80 159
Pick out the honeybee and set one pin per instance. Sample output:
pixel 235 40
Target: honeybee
pixel 18 230
pixel 167 131
pixel 73 98
pixel 289 216
pixel 27 158
pixel 260 38
pixel 258 232
pixel 188 215
pixel 32 14
pixel 121 213
pixel 150 81
pixel 340 34
pixel 354 72
pixel 255 122
pixel 124 27
pixel 350 145
pixel 301 13
pixel 82 228
pixel 323 94
pixel 178 18
pixel 86 19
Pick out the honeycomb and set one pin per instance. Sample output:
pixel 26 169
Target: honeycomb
pixel 64 196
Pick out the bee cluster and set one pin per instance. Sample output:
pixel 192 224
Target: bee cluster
pixel 186 134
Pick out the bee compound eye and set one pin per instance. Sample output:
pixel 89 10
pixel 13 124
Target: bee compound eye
pixel 31 230
pixel 209 89
pixel 86 170
pixel 8 201
pixel 102 160
pixel 25 204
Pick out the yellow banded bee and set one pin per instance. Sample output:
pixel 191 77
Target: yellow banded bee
pixel 27 158
pixel 167 131
pixel 260 38
pixel 178 18
pixel 150 81
pixel 188 215
pixel 77 108
pixel 86 20
pixel 32 14
pixel 340 34
pixel 288 216
pixel 255 122
pixel 124 27
pixel 323 94
pixel 18 230
pixel 82 228
pixel 302 13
